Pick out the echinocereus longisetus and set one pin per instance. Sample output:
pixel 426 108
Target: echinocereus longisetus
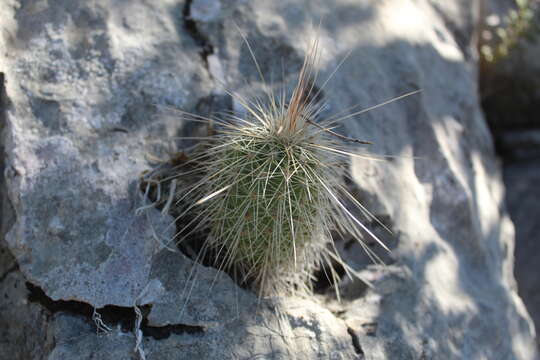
pixel 267 189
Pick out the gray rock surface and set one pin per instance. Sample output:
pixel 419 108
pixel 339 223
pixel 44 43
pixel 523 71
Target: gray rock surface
pixel 24 325
pixel 83 79
pixel 512 100
pixel 523 198
pixel 306 332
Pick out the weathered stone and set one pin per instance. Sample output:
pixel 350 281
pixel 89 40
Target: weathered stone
pixel 510 88
pixel 80 126
pixel 523 199
pixel 24 326
pixel 177 289
pixel 83 79
pixel 303 331
pixel 205 10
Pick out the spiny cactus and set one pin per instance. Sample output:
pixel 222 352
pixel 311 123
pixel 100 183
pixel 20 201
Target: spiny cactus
pixel 268 189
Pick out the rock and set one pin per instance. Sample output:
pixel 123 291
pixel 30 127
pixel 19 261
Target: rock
pixel 306 332
pixel 75 337
pixel 177 295
pixel 205 10
pixel 83 80
pixel 511 99
pixel 25 325
pixel 78 133
pixel 523 197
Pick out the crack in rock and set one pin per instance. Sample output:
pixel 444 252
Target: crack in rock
pixel 355 342
pixel 117 316
pixel 199 37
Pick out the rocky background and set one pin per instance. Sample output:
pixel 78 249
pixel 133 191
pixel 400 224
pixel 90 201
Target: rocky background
pixel 85 85
pixel 511 100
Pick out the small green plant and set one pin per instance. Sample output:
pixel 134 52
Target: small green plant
pixel 267 190
pixel 518 24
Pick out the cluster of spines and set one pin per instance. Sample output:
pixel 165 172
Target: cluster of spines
pixel 268 190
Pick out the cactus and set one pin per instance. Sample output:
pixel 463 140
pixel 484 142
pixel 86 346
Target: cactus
pixel 267 188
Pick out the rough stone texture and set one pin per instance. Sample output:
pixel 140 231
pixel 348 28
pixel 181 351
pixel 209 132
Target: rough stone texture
pixel 306 332
pixel 24 326
pixel 523 198
pixel 82 82
pixel 77 136
pixel 511 101
pixel 169 291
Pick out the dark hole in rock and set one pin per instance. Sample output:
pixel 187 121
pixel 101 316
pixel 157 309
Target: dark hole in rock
pixel 356 342
pixel 200 38
pixel 112 316
pixel 163 332
pixel 323 276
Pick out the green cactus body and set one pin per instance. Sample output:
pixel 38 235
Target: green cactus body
pixel 268 218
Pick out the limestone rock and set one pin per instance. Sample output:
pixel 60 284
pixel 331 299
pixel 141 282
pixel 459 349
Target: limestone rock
pixel 83 82
pixel 521 179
